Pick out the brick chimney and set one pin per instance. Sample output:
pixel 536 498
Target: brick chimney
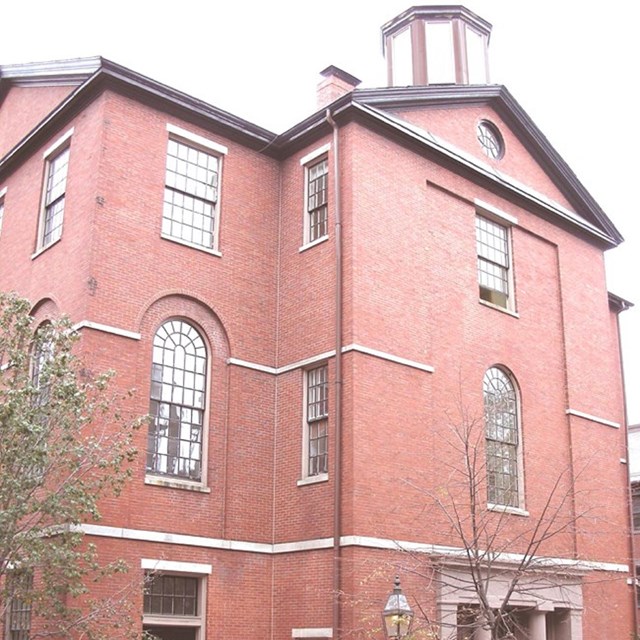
pixel 334 84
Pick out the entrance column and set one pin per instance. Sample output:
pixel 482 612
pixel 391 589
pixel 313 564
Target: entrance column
pixel 538 625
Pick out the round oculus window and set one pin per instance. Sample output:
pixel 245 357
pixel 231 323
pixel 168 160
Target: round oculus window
pixel 490 140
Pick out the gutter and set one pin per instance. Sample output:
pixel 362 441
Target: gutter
pixel 337 473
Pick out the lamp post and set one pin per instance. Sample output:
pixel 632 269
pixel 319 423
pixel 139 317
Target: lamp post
pixel 397 614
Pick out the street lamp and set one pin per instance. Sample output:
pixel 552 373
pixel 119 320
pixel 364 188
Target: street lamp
pixel 397 614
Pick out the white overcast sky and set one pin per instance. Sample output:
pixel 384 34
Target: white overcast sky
pixel 572 69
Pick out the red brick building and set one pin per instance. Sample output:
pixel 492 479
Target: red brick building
pixel 309 317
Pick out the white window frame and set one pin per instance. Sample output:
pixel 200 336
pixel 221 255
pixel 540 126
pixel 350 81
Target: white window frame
pixel 307 478
pixel 190 139
pixel 181 570
pixel 182 482
pixel 306 162
pixel 519 508
pixel 507 222
pixel 62 144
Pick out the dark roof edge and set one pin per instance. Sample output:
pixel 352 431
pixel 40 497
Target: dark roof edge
pixel 189 102
pixel 619 304
pixel 261 138
pixel 509 108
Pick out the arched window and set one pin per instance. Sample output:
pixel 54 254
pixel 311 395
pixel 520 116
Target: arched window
pixel 178 398
pixel 502 438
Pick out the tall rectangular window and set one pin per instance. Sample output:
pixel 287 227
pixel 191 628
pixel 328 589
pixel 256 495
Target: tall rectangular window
pixel 317 418
pixel 55 186
pixel 191 195
pixel 492 243
pixel 19 613
pixel 317 209
pixel 635 501
pixel 2 192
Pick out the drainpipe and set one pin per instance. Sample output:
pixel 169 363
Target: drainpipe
pixel 632 550
pixel 337 480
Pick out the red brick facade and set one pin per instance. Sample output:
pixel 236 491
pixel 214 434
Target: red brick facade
pixel 416 342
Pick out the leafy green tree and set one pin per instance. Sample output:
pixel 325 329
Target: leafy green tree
pixel 64 446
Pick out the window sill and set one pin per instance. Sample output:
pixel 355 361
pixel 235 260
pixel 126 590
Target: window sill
pixel 321 477
pixel 498 308
pixel 309 245
pixel 176 483
pixel 198 247
pixel 515 511
pixel 45 248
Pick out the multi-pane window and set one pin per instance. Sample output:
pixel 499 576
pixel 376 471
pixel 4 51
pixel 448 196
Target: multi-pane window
pixel 54 195
pixel 19 613
pixel 317 420
pixel 172 607
pixel 317 210
pixel 169 595
pixel 191 195
pixel 41 356
pixel 635 501
pixel 492 242
pixel 178 397
pixel 502 438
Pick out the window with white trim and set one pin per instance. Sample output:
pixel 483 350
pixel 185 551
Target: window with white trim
pixel 316 437
pixel 317 211
pixel 178 401
pixel 494 262
pixel 502 438
pixel 173 606
pixel 53 199
pixel 191 194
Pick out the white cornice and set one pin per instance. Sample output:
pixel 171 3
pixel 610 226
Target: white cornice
pixel 51 73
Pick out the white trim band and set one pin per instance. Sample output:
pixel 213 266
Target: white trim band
pixel 330 354
pixel 310 632
pixel 316 153
pixel 327 543
pixel 58 143
pixel 199 140
pixel 105 328
pixel 588 416
pixel 177 567
pixel 3 192
pixel 388 356
pixel 494 211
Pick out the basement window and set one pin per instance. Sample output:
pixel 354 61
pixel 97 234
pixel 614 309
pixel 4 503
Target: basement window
pixel 173 607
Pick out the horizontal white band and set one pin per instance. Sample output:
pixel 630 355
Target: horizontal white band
pixel 316 153
pixel 588 416
pixel 151 564
pixel 345 541
pixel 330 354
pixel 199 140
pixel 321 632
pixel 105 328
pixel 489 208
pixel 388 356
pixel 3 192
pixel 58 143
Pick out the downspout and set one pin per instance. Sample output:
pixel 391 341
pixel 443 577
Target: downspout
pixel 337 473
pixel 632 549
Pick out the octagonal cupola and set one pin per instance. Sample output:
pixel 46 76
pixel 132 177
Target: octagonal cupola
pixel 430 45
